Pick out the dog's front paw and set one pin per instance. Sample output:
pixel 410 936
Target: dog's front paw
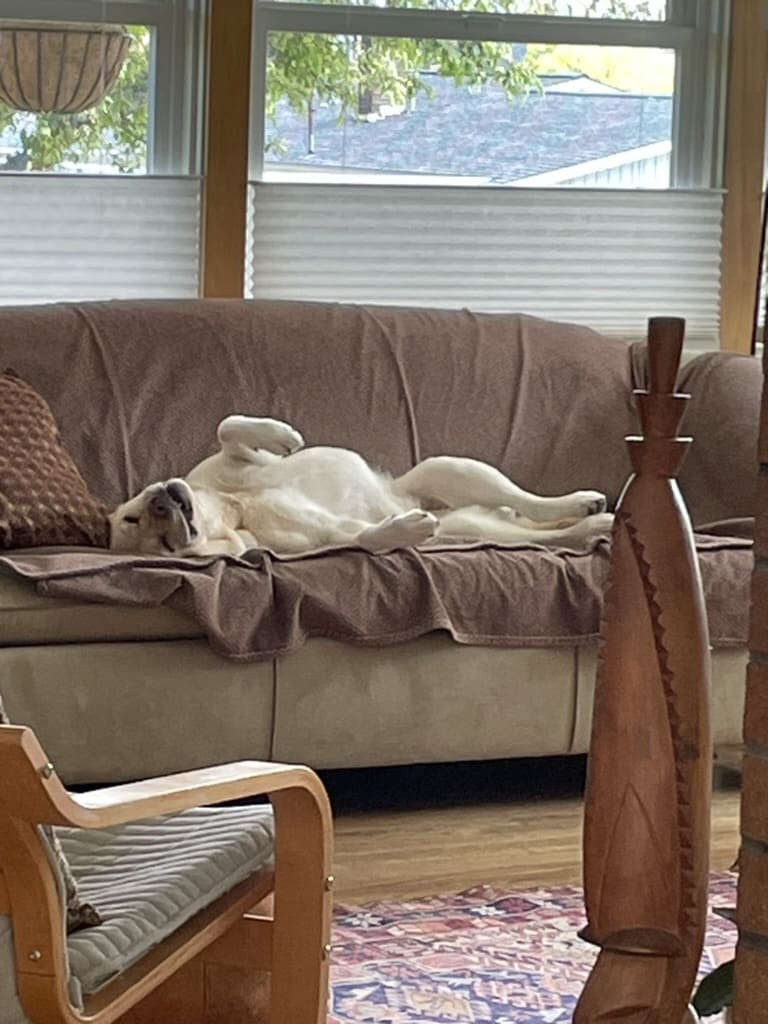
pixel 402 530
pixel 417 525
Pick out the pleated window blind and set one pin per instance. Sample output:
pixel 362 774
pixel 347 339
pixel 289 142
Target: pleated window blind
pixel 74 237
pixel 342 206
pixel 606 258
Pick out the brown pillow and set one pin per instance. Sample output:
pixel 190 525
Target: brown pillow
pixel 43 498
pixel 79 914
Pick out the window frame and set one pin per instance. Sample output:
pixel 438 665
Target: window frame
pixel 176 74
pixel 697 30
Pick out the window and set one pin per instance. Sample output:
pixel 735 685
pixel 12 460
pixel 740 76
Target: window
pixel 148 122
pixel 78 64
pixel 535 92
pixel 577 115
pixel 554 157
pixel 641 10
pixel 103 200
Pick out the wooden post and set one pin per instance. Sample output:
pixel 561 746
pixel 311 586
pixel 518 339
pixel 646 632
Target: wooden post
pixel 226 170
pixel 646 830
pixel 751 996
pixel 744 154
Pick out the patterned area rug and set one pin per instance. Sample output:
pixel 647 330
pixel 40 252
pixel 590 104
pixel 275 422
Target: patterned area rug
pixel 484 956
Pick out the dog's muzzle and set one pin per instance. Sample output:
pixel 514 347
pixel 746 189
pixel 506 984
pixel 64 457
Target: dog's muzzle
pixel 171 509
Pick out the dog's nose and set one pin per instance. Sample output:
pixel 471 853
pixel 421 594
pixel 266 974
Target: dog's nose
pixel 178 494
pixel 161 505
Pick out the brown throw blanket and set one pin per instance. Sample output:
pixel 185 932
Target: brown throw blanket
pixel 485 594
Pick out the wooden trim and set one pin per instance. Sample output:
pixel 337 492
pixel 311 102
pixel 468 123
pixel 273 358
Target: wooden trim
pixel 744 152
pixel 302 928
pixel 226 166
pixel 247 944
pixel 5 902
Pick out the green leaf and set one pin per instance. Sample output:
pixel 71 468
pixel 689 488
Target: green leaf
pixel 715 991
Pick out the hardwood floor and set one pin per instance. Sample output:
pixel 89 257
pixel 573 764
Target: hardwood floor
pixel 437 829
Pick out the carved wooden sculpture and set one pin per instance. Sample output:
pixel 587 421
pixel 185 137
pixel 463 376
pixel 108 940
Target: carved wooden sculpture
pixel 646 830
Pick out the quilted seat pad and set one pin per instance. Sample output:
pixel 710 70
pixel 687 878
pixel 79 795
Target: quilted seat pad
pixel 148 877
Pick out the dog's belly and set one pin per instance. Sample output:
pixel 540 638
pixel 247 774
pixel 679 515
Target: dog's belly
pixel 337 480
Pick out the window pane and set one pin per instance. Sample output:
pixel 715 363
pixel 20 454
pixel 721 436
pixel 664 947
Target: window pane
pixel 92 83
pixel 642 10
pixel 407 110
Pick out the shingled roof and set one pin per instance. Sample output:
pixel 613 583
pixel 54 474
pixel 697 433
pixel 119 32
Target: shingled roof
pixel 471 130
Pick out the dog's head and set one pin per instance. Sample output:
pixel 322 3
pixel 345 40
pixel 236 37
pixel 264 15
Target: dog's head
pixel 161 520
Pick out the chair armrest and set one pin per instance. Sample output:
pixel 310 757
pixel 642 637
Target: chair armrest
pixel 165 794
pixel 30 792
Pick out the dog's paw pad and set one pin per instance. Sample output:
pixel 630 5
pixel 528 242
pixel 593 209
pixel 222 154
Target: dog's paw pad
pixel 583 503
pixel 280 438
pixel 286 441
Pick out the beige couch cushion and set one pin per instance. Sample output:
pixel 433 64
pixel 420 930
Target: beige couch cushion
pixel 120 711
pixel 29 618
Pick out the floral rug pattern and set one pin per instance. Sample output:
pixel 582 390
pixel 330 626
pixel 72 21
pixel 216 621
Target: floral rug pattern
pixel 484 956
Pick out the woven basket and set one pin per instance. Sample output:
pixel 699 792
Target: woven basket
pixel 59 67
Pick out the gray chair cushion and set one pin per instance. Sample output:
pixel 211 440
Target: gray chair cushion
pixel 149 877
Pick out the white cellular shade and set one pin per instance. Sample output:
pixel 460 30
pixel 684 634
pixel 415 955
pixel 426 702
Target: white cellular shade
pixel 605 258
pixel 71 237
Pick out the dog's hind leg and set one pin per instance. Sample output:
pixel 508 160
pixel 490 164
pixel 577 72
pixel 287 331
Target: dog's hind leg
pixel 493 525
pixel 454 482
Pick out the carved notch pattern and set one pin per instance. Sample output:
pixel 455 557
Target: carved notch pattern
pixel 688 889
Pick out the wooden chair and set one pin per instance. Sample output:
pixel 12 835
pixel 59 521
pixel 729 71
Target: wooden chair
pixel 203 972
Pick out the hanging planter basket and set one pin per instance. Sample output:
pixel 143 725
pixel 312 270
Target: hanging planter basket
pixel 56 67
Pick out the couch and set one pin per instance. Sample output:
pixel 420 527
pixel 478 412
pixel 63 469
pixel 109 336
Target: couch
pixel 128 669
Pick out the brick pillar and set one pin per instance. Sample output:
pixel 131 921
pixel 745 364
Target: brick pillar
pixel 751 997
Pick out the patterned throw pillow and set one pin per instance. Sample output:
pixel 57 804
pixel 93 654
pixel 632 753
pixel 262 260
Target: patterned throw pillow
pixel 79 914
pixel 43 498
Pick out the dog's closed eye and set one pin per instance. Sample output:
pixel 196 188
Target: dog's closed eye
pixel 133 520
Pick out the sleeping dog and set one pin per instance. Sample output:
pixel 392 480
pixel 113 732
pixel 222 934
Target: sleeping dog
pixel 263 488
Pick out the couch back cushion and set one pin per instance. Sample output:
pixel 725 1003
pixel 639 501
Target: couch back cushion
pixel 719 475
pixel 138 387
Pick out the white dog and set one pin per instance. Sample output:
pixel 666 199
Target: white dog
pixel 264 489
